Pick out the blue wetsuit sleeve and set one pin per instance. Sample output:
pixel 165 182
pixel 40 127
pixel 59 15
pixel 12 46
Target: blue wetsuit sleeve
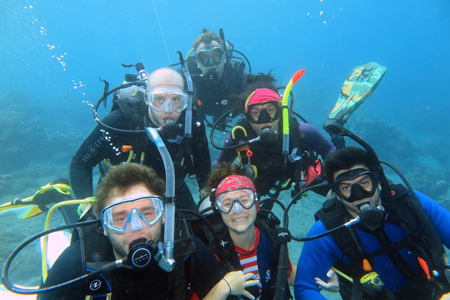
pixel 317 257
pixel 438 215
pixel 225 155
pixel 316 141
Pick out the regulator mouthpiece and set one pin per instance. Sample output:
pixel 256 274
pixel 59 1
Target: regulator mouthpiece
pixel 212 75
pixel 140 254
pixel 268 136
pixel 170 129
pixel 371 217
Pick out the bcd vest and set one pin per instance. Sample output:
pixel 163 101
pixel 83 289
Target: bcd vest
pixel 215 234
pixel 271 164
pixel 97 251
pixel 421 238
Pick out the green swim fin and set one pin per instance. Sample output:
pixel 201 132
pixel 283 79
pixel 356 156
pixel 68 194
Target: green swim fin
pixel 54 192
pixel 358 86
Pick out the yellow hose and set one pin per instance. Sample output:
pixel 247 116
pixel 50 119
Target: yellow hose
pixel 342 274
pixel 47 226
pixel 189 53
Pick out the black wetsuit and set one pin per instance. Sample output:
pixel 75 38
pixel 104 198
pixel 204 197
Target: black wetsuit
pixel 211 93
pixel 268 158
pixel 202 271
pixel 132 114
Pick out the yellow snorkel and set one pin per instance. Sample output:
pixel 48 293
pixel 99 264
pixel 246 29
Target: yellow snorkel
pixel 284 105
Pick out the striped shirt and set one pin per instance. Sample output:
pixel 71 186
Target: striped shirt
pixel 248 259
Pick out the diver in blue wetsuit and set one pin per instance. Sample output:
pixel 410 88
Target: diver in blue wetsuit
pixel 394 251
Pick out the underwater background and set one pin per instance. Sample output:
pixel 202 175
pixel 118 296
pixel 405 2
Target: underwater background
pixel 52 54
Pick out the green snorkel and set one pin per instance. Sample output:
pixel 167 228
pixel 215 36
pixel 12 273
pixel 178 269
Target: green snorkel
pixel 166 261
pixel 284 105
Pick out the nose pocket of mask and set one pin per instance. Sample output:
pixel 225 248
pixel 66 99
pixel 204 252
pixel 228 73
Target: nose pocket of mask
pixel 237 207
pixel 135 221
pixel 168 106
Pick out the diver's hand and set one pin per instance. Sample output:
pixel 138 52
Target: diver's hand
pixel 332 285
pixel 237 282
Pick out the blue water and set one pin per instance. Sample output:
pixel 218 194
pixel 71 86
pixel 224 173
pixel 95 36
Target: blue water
pixel 52 53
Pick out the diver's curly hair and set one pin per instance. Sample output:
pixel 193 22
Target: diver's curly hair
pixel 255 82
pixel 123 177
pixel 346 158
pixel 223 170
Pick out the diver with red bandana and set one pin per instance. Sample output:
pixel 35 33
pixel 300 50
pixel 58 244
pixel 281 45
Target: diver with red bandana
pixel 261 157
pixel 243 238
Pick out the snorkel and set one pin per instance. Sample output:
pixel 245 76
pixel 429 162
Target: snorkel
pixel 284 104
pixel 224 43
pixel 166 261
pixel 378 169
pixel 190 92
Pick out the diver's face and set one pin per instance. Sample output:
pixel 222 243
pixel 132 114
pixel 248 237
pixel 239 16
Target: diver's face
pixel 121 241
pixel 255 112
pixel 159 116
pixel 239 220
pixel 171 81
pixel 212 62
pixel 346 187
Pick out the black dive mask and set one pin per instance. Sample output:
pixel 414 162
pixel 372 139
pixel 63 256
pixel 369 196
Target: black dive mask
pixel 357 190
pixel 264 116
pixel 171 129
pixel 268 136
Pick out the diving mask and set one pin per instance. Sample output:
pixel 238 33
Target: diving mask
pixel 132 214
pixel 365 186
pixel 167 98
pixel 210 56
pixel 264 115
pixel 237 199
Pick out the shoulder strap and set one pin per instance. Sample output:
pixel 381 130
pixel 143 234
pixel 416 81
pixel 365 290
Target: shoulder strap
pixel 215 234
pixel 279 237
pixel 95 253
pixel 426 240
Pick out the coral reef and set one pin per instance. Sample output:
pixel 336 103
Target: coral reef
pixel 425 172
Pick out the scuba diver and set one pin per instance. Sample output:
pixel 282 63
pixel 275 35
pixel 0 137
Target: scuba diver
pixel 395 250
pixel 216 76
pixel 242 238
pixel 132 214
pixel 121 137
pixel 262 157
